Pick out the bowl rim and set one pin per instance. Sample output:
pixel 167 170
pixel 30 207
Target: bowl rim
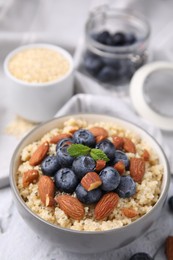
pixel 48 46
pixel 162 197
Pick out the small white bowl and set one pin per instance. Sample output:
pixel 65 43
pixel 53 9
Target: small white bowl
pixel 39 101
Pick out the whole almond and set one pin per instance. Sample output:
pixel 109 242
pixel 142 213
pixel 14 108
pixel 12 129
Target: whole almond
pixel 91 181
pixel 39 154
pixel 99 132
pixel 129 146
pixel 145 155
pixel 100 164
pixel 137 169
pixel 30 176
pixel 46 190
pixel 120 167
pixel 118 142
pixel 129 212
pixel 106 205
pixel 71 206
pixel 55 139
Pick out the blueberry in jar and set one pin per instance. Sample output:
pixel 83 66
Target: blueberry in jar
pixel 121 156
pixel 108 148
pixel 64 141
pixel 130 38
pixel 107 74
pixel 83 164
pixel 119 39
pixel 85 137
pixel 110 179
pixel 126 187
pixel 50 165
pixel 66 180
pixel 92 64
pixel 64 157
pixel 88 197
pixel 141 256
pixel 103 37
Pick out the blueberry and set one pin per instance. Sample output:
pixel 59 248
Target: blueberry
pixel 170 203
pixel 110 179
pixel 88 197
pixel 112 62
pixel 66 180
pixel 64 141
pixel 104 38
pixel 130 38
pixel 121 156
pixel 119 39
pixel 126 188
pixel 50 165
pixel 64 158
pixel 92 64
pixel 107 147
pixel 83 164
pixel 107 74
pixel 141 256
pixel 83 136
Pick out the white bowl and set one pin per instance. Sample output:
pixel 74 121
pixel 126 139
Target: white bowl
pixel 88 241
pixel 39 101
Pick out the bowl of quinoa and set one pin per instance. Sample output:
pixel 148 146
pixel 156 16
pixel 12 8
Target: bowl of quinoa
pixel 89 182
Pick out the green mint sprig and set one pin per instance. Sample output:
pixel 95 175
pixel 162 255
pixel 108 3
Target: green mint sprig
pixel 76 150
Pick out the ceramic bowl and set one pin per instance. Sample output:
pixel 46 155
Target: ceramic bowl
pixel 39 102
pixel 82 241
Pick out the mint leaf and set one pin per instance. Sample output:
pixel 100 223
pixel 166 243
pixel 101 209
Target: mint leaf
pixel 78 149
pixel 98 154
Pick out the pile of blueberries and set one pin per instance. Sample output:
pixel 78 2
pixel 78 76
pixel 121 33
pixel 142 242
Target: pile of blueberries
pixel 68 171
pixel 109 69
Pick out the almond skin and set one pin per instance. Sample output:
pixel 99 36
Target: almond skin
pixel 91 181
pixel 118 142
pixel 38 156
pixel 46 190
pixel 71 206
pixel 106 205
pixel 137 169
pixel 55 139
pixel 169 247
pixel 100 164
pixel 129 212
pixel 30 176
pixel 120 167
pixel 129 146
pixel 99 132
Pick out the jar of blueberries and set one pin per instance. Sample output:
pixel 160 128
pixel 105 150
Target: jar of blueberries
pixel 116 43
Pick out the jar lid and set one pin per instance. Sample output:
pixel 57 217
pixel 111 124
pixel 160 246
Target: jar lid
pixel 151 92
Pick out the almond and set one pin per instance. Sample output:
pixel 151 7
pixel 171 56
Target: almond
pixel 129 146
pixel 46 189
pixel 120 167
pixel 71 206
pixel 100 164
pixel 137 169
pixel 118 142
pixel 55 139
pixel 129 212
pixel 169 247
pixel 39 154
pixel 99 132
pixel 91 181
pixel 145 155
pixel 30 176
pixel 73 129
pixel 106 205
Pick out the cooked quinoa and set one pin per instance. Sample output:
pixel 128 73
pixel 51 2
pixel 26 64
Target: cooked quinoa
pixel 147 192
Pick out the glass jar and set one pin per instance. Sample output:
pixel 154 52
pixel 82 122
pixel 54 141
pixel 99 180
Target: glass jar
pixel 116 44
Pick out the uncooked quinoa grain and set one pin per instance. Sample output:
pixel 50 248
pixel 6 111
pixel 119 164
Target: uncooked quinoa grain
pixel 147 192
pixel 38 65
